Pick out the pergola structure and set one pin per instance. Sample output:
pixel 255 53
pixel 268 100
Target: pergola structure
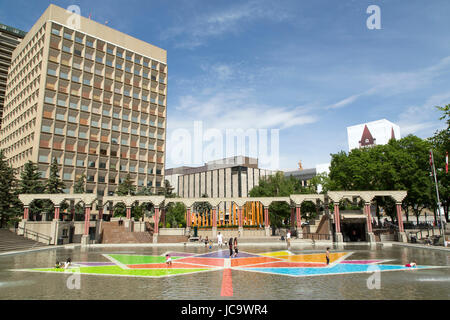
pixel 367 197
pixel 57 200
pixel 160 202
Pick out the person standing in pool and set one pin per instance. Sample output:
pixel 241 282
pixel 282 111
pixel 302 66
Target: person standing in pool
pixel 288 239
pixel 230 246
pixel 219 240
pixel 327 255
pixel 235 247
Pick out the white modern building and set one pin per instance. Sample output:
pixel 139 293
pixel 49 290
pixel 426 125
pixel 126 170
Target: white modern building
pixel 372 133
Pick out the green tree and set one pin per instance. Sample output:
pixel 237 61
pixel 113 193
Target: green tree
pixel 278 186
pixel 30 180
pixel 168 190
pixel 126 187
pixel 30 183
pixel 54 183
pixel 78 188
pixel 80 185
pixel 9 202
pixel 399 165
pixel 175 215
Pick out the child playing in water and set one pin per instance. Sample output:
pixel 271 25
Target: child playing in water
pixel 411 265
pixel 168 260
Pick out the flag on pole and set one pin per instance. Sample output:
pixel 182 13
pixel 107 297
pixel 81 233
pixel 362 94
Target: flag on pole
pixel 431 160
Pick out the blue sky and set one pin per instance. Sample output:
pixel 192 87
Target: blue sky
pixel 309 68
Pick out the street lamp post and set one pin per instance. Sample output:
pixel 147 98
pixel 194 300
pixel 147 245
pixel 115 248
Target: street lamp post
pixel 437 195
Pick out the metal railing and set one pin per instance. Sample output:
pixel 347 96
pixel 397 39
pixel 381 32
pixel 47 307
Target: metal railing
pixel 37 235
pixel 316 236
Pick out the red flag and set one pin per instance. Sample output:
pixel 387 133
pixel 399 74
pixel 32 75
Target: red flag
pixel 431 160
pixel 446 162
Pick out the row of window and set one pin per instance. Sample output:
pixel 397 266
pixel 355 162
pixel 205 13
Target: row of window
pixel 100 45
pixel 124 141
pixel 23 91
pixel 22 156
pixel 18 84
pixel 101 59
pixel 21 124
pixel 96 94
pixel 28 51
pixel 124 168
pixel 95 113
pixel 105 81
pixel 25 140
pixel 106 124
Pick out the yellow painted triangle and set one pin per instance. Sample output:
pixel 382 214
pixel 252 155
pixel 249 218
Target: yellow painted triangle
pixel 315 257
pixel 275 254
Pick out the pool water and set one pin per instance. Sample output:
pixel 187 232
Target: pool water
pixel 268 273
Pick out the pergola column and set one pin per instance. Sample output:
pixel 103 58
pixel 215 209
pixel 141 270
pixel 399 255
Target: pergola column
pixel 87 218
pixel 156 228
pixel 26 213
pixel 337 223
pixel 72 209
pixel 128 212
pixel 370 235
pixel 240 221
pixel 266 220
pixel 214 222
pixel 100 213
pixel 298 216
pixel 57 208
pixel 163 216
pixel 188 219
pixel 402 235
pixel 292 217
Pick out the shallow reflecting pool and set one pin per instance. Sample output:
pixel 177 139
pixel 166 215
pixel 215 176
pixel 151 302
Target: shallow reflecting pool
pixel 271 273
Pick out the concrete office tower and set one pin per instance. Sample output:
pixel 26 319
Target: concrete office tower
pixel 91 97
pixel 9 39
pixel 372 133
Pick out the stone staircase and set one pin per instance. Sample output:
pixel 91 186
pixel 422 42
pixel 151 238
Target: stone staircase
pixel 314 224
pixel 113 233
pixel 172 239
pixel 9 241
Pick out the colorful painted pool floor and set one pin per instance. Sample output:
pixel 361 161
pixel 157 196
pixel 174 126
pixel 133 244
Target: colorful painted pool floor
pixel 279 263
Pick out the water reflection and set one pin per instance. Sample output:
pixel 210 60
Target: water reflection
pixel 415 284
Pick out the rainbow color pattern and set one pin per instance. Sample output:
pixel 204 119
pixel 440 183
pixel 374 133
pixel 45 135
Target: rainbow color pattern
pixel 282 263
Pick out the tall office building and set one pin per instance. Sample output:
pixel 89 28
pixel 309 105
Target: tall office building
pixel 9 39
pixel 91 97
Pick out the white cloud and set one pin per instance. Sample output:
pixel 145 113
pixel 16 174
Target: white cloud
pixel 423 119
pixel 230 20
pixel 387 84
